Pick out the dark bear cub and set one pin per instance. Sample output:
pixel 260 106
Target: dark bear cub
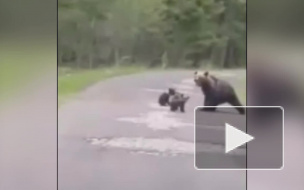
pixel 216 91
pixel 173 99
pixel 163 99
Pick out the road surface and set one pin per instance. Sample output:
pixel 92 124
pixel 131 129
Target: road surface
pixel 114 135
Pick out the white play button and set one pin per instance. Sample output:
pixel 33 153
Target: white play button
pixel 235 138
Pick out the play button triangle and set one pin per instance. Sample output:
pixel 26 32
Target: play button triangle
pixel 235 138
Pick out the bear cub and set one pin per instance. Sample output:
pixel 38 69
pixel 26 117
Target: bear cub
pixel 173 99
pixel 163 99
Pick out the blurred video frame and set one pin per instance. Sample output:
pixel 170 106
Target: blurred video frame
pixel 274 77
pixel 131 73
pixel 115 60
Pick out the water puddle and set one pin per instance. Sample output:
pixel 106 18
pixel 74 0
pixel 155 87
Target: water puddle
pixel 157 120
pixel 157 147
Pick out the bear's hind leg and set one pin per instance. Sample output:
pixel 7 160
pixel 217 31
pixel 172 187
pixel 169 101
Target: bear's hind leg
pixel 236 102
pixel 182 107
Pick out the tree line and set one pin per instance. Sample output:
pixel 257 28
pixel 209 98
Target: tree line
pixel 156 33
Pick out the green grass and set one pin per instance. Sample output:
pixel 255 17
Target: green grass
pixel 70 82
pixel 241 91
pixel 242 96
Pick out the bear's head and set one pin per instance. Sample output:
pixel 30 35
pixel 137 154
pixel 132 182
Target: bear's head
pixel 171 91
pixel 202 79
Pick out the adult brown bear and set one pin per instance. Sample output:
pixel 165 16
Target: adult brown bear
pixel 216 91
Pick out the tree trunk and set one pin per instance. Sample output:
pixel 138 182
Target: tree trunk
pixel 78 59
pixel 175 56
pixel 230 59
pixel 116 57
pixel 92 23
pixel 216 56
pixel 219 53
pixel 90 61
pixel 164 60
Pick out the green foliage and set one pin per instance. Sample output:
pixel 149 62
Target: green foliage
pixel 95 33
pixel 206 27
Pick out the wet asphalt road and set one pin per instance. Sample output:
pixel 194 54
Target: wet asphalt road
pixel 115 136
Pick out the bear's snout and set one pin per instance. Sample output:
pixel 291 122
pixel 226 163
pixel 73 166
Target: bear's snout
pixel 197 82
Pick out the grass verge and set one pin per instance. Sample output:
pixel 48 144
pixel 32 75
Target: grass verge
pixel 70 82
pixel 241 91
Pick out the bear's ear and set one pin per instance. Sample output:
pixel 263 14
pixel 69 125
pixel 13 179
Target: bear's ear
pixel 195 73
pixel 206 73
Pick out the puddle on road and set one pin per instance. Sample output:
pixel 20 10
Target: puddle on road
pixel 157 120
pixel 158 147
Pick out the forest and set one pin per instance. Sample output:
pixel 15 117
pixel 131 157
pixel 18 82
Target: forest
pixel 153 33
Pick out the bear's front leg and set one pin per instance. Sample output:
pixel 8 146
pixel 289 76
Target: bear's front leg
pixel 209 102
